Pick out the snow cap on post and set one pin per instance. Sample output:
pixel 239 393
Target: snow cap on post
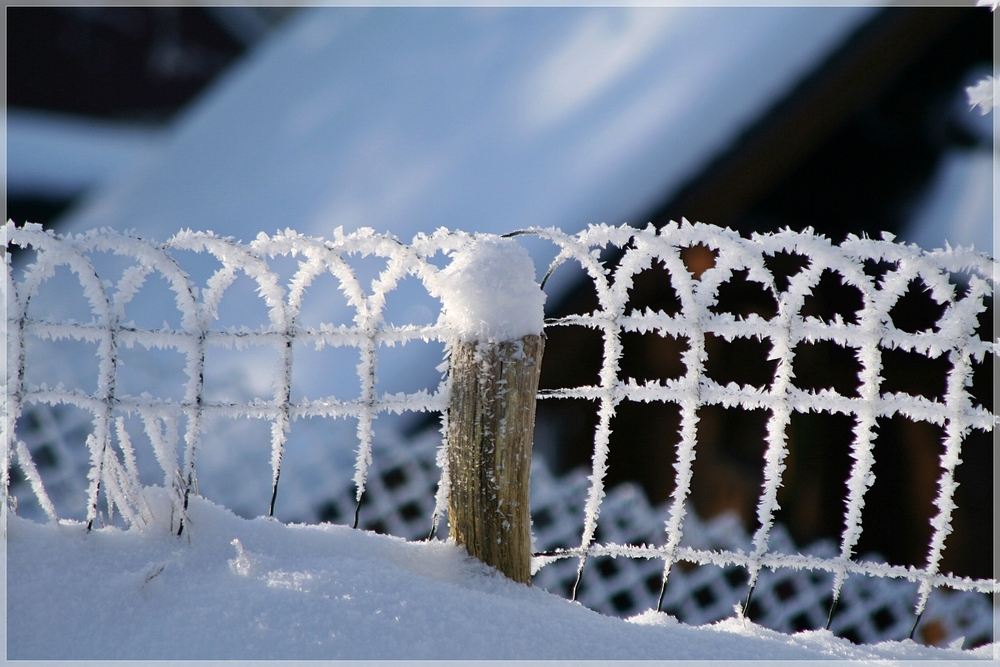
pixel 488 292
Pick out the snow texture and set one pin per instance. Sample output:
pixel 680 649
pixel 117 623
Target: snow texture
pixel 174 427
pixel 238 589
pixel 479 118
pixel 488 292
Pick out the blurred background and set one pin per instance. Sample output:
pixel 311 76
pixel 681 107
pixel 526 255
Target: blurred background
pixel 848 120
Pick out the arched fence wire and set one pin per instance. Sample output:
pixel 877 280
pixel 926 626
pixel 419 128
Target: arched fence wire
pixel 174 425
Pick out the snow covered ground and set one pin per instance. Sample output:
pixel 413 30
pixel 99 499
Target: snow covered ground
pixel 259 589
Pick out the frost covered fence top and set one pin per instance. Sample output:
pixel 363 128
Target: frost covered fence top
pixel 880 271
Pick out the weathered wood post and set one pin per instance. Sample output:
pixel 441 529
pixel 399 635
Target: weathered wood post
pixel 491 298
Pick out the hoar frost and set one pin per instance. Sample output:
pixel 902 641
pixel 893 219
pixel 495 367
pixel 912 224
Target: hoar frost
pixel 488 292
pixel 982 94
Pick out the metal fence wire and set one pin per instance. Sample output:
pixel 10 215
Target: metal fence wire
pixel 872 609
pixel 69 442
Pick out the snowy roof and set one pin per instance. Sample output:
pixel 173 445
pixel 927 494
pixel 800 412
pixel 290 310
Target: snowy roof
pixel 57 155
pixel 484 119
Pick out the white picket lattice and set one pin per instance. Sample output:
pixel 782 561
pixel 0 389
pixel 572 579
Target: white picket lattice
pixel 174 424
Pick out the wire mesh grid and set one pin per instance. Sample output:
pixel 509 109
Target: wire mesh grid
pixel 961 281
pixel 881 271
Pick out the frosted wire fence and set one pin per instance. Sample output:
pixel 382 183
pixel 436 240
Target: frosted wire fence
pixel 114 471
pixel 874 330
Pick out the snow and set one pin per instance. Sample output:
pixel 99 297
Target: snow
pixel 56 155
pixel 484 119
pixel 233 588
pixel 487 120
pixel 488 292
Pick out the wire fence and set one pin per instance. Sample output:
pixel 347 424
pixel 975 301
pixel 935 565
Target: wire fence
pixel 872 609
pixel 113 275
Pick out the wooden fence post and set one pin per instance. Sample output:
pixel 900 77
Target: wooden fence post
pixel 492 301
pixel 491 419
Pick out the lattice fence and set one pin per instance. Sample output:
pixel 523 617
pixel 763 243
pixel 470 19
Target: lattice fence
pixel 109 414
pixel 872 609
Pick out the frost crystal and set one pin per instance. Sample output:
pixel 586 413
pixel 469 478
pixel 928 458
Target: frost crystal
pixel 982 94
